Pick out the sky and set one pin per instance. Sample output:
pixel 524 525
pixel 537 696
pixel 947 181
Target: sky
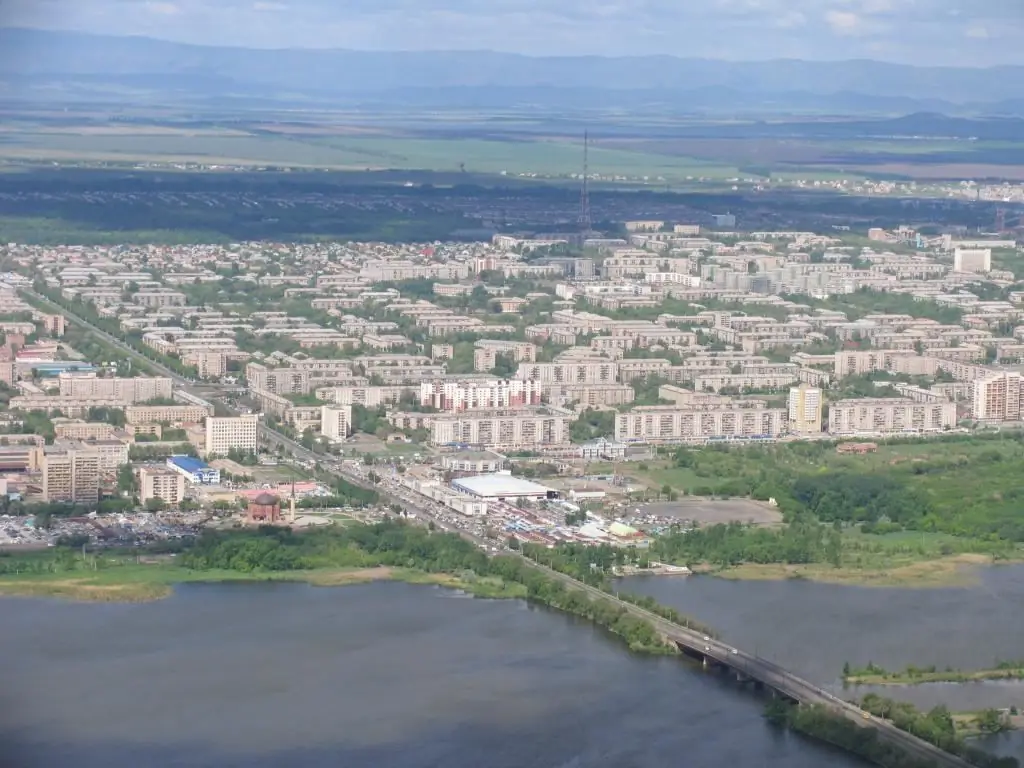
pixel 927 32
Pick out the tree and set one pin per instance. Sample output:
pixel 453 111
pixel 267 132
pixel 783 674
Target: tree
pixel 126 482
pixel 155 504
pixel 513 543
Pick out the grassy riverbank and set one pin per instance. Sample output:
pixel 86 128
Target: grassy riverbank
pixel 875 675
pixel 953 571
pixel 144 583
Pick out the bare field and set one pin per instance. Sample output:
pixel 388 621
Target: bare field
pixel 715 511
pixel 941 171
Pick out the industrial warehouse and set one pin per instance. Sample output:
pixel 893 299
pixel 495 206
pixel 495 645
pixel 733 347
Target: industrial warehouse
pixel 502 486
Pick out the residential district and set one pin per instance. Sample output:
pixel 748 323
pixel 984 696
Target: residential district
pixel 147 388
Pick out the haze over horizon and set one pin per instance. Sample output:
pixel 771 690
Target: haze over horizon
pixel 967 33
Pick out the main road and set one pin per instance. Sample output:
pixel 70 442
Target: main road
pixel 714 651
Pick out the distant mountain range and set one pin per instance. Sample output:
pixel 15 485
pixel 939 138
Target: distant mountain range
pixel 72 67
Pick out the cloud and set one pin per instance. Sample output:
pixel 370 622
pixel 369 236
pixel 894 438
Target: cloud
pixel 972 32
pixel 844 22
pixel 162 9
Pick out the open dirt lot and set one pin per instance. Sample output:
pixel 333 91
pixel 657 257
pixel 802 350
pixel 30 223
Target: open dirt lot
pixel 714 511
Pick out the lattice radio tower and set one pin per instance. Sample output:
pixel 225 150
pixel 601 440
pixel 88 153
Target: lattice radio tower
pixel 584 220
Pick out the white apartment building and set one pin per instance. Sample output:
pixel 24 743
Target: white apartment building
pixel 672 424
pixel 475 395
pixel 997 397
pixel 225 433
pixel 888 415
pixel 160 483
pixel 336 422
pixel 805 409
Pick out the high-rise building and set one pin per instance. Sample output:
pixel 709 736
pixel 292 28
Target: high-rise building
pixel 71 474
pixel 336 421
pixel 997 397
pixel 238 432
pixel 805 406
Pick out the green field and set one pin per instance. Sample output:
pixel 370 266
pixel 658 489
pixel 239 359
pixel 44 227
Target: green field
pixel 541 157
pixel 968 487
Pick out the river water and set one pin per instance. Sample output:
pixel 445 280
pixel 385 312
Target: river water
pixel 374 676
pixel 400 676
pixel 813 629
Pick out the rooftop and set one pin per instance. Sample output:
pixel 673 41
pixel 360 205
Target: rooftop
pixel 188 463
pixel 499 485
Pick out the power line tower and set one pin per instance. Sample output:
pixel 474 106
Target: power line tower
pixel 584 220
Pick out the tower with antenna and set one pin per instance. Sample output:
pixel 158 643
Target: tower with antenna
pixel 584 220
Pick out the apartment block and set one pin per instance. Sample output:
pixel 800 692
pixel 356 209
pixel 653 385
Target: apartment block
pixel 997 397
pixel 671 424
pixel 73 407
pixel 160 483
pixel 486 350
pixel 468 395
pixel 520 429
pixel 888 415
pixel 570 373
pixel 171 414
pixel 863 362
pixel 754 377
pixel 591 395
pixel 366 396
pixel 209 365
pixel 225 433
pixel 75 429
pixel 132 390
pixel 278 381
pixel 805 410
pixel 112 453
pixel 71 474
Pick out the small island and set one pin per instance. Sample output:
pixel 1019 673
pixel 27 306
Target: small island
pixel 873 674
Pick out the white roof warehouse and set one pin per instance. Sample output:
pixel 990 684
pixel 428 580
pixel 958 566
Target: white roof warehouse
pixel 501 486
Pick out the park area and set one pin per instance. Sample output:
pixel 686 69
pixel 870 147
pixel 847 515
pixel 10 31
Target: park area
pixel 969 486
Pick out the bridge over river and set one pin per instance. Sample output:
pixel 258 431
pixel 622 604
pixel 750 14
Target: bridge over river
pixel 763 673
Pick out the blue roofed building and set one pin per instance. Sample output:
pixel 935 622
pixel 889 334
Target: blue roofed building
pixel 194 470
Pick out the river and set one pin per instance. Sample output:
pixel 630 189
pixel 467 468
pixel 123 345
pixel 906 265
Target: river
pixel 375 675
pixel 813 629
